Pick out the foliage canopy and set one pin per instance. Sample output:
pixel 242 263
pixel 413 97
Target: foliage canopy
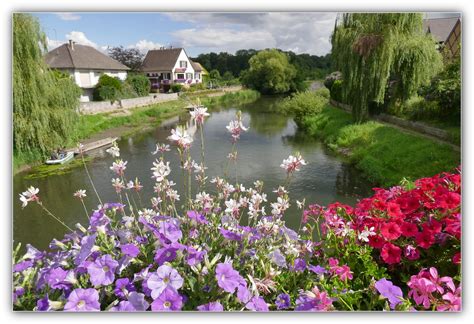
pixel 372 49
pixel 44 101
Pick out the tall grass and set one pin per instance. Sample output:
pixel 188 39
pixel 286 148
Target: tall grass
pixel 385 154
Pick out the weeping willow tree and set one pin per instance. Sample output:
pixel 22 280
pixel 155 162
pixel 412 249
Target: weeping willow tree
pixel 44 101
pixel 372 50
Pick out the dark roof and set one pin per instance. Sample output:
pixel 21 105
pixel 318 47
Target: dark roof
pixel 440 28
pixel 81 57
pixel 160 60
pixel 197 66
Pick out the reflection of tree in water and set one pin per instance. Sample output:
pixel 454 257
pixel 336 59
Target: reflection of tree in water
pixel 264 116
pixel 350 182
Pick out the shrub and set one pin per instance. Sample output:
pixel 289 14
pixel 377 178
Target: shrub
pixel 176 87
pixel 303 104
pixel 106 92
pixel 418 108
pixel 323 92
pixel 128 91
pixel 140 84
pixel 108 88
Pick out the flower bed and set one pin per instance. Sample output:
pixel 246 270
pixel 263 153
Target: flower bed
pixel 225 252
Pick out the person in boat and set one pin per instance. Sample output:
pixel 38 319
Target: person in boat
pixel 54 155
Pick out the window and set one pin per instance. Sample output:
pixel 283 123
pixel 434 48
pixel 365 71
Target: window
pixel 180 76
pixel 197 76
pixel 189 75
pixel 183 64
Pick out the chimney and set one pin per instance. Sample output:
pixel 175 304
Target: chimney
pixel 71 44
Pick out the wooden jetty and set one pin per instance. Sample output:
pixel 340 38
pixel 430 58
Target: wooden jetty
pixel 95 144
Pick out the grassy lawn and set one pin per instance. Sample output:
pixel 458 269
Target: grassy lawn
pixel 385 154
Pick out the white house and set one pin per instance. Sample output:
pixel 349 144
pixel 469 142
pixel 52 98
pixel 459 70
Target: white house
pixel 85 64
pixel 166 66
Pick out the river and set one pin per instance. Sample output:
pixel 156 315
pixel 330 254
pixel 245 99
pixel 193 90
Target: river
pixel 271 138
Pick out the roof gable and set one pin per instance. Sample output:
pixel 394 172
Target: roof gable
pixel 81 57
pixel 161 59
pixel 440 28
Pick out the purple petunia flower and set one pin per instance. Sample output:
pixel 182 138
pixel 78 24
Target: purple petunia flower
pixel 299 265
pixel 283 301
pixel 227 278
pixel 166 254
pixel 83 300
pixel 196 217
pixel 168 300
pixel 232 236
pixel 387 289
pixel 32 253
pixel 87 243
pixel 17 292
pixel 102 270
pixel 165 277
pixel 56 277
pixel 257 304
pixel 243 293
pixel 317 269
pixel 138 301
pixel 123 287
pixel 22 266
pixel 169 232
pixel 278 258
pixel 211 307
pixel 194 256
pixel 130 250
pixel 123 306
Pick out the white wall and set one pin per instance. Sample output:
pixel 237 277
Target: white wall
pixel 189 69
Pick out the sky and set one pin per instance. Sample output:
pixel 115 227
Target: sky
pixel 197 32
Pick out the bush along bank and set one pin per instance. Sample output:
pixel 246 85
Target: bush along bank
pixel 385 154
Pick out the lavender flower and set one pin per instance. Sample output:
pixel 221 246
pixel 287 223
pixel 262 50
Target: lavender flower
pixel 55 278
pixel 278 258
pixel 169 232
pixel 22 266
pixel 194 256
pixel 227 278
pixel 168 300
pixel 387 289
pixel 83 300
pixel 211 307
pixel 299 265
pixel 317 269
pixel 165 277
pixel 123 306
pixel 197 217
pixel 166 254
pixel 102 270
pixel 232 236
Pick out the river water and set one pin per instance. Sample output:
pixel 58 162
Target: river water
pixel 271 138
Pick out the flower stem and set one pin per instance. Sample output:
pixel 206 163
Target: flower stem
pixel 52 215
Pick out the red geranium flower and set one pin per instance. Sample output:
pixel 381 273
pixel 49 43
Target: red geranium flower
pixel 425 239
pixel 390 231
pixel 409 229
pixel 391 253
pixel 376 241
pixel 457 258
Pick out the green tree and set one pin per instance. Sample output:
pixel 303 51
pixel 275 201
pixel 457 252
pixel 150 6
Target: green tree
pixel 270 73
pixel 140 83
pixel 44 101
pixel 372 49
pixel 215 74
pixel 130 57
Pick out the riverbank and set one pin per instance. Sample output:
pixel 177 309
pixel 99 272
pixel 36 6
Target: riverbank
pixel 384 154
pixel 127 122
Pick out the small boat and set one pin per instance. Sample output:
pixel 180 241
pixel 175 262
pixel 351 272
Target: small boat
pixel 66 157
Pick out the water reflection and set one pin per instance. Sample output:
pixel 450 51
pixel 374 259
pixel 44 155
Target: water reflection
pixel 271 138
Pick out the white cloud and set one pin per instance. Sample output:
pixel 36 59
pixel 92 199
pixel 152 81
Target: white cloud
pixel 307 32
pixel 68 16
pixel 53 43
pixel 80 38
pixel 144 45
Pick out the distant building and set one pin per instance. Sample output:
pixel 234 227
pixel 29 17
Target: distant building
pixel 447 33
pixel 166 66
pixel 86 65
